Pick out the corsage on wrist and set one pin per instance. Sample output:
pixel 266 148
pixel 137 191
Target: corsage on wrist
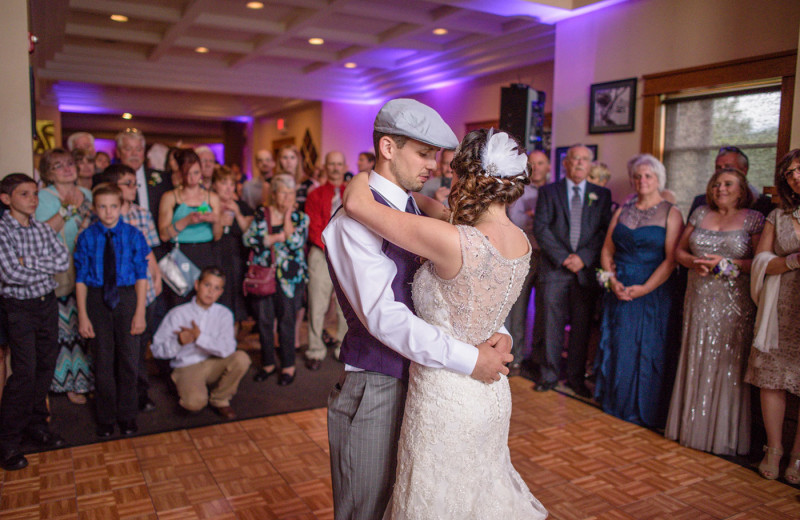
pixel 726 269
pixel 604 278
pixel 793 261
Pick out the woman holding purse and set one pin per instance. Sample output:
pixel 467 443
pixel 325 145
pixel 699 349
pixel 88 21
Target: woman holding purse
pixel 189 216
pixel 277 237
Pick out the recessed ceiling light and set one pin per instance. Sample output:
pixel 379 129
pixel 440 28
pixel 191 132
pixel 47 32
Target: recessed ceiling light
pixel 316 41
pixel 119 17
pixel 201 50
pixel 255 5
pixel 127 115
pixel 440 31
pixel 350 65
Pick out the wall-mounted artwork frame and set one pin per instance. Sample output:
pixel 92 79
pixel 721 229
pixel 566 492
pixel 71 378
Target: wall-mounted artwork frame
pixel 612 106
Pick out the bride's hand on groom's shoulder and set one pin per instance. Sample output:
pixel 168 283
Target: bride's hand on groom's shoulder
pixel 493 356
pixel 355 192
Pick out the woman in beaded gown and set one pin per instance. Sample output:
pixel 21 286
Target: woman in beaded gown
pixel 453 459
pixel 778 371
pixel 633 358
pixel 710 407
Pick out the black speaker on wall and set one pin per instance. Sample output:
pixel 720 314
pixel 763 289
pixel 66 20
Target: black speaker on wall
pixel 522 114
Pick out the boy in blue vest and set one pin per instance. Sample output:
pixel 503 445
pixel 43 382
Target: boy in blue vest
pixel 30 254
pixel 111 289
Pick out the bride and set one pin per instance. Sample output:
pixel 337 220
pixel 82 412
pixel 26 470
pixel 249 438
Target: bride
pixel 453 458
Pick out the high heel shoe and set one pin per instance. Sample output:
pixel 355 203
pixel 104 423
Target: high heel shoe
pixel 263 375
pixel 770 464
pixel 792 474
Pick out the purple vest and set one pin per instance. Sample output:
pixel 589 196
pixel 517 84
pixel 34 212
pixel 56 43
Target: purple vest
pixel 359 348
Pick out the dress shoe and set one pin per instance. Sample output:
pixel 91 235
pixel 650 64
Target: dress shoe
pixel 262 375
pixel 225 412
pixel 146 404
pixel 581 390
pixel 312 364
pixel 104 430
pixel 128 427
pixel 286 379
pixel 47 438
pixel 13 460
pixel 545 386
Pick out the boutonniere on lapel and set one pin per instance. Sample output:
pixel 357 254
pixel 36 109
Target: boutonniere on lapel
pixel 155 179
pixel 592 197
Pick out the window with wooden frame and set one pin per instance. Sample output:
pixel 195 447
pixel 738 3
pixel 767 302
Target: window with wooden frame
pixel 690 113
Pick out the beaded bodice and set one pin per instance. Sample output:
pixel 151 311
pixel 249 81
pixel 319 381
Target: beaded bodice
pixel 473 305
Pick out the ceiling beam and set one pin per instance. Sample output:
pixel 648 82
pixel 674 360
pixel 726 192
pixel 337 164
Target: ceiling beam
pixel 305 18
pixel 136 10
pixel 238 23
pixel 191 42
pixel 193 9
pixel 112 33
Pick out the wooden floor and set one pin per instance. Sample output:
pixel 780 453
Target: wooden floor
pixel 581 463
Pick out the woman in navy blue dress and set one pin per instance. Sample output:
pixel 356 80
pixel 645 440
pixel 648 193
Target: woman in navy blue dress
pixel 633 359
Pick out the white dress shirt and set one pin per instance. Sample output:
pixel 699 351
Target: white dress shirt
pixel 570 192
pixel 365 275
pixel 217 337
pixel 141 188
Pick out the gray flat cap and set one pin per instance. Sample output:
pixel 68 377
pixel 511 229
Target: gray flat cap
pixel 413 119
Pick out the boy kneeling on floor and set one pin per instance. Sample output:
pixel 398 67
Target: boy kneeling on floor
pixel 200 340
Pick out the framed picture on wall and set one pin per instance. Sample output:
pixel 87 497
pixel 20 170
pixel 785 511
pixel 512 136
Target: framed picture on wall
pixel 561 154
pixel 612 106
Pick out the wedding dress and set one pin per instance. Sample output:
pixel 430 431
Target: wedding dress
pixel 453 457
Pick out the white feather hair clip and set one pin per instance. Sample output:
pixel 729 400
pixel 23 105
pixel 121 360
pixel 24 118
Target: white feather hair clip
pixel 500 157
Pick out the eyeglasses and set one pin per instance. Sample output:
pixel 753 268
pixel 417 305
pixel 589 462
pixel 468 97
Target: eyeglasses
pixel 789 174
pixel 58 165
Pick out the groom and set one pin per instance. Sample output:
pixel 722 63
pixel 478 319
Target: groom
pixel 372 279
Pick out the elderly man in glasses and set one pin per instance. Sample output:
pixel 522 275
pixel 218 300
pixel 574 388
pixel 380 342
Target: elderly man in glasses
pixel 731 157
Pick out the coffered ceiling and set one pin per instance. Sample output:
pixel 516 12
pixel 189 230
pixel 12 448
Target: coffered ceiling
pixel 260 61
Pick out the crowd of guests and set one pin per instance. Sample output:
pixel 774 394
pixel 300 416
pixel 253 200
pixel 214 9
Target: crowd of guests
pixel 688 315
pixel 84 298
pixel 692 316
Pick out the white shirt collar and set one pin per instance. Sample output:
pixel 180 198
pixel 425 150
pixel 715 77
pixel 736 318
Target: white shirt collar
pixel 394 194
pixel 200 309
pixel 581 185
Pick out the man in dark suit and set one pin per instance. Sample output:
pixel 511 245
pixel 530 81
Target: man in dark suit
pixel 570 225
pixel 731 157
pixel 150 186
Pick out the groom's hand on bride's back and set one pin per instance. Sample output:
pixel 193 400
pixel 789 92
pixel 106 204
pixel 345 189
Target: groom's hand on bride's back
pixel 493 356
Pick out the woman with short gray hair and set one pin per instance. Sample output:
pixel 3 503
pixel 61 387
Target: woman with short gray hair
pixel 632 367
pixel 277 237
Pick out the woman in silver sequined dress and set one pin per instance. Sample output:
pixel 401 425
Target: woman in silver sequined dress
pixel 710 406
pixel 778 371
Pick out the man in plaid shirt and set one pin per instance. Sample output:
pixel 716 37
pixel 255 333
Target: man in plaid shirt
pixel 125 178
pixel 30 254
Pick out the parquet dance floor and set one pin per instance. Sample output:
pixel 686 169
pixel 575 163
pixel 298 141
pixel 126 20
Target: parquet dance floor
pixel 581 463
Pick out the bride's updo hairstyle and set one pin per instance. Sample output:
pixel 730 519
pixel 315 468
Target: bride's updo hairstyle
pixel 482 178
